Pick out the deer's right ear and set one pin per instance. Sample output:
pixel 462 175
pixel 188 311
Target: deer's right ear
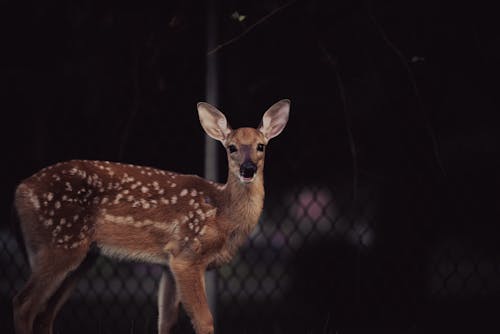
pixel 213 122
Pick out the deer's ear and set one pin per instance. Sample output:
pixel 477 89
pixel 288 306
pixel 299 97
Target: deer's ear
pixel 213 121
pixel 275 119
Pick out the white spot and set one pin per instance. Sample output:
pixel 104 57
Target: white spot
pixel 173 185
pixel 57 205
pixel 186 238
pixel 50 196
pixel 145 205
pixel 144 189
pixel 165 201
pixel 126 191
pixel 48 222
pixel 184 192
pixel 75 217
pixel 161 191
pixel 104 200
pixel 194 192
pixel 191 201
pixel 34 199
pixel 196 205
pixel 156 185
pixel 202 231
pixel 62 221
pixel 211 212
pixel 173 199
pixel 130 198
pixel 56 230
pixel 117 198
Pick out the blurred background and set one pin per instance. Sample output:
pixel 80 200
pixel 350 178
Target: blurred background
pixel 382 205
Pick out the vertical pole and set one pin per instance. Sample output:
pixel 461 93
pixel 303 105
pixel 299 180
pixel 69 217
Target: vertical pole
pixel 211 146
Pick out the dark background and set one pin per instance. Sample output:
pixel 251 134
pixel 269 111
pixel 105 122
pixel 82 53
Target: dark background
pixel 393 123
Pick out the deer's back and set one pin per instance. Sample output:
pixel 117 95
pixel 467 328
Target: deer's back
pixel 119 207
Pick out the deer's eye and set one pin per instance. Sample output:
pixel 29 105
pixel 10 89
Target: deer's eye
pixel 260 147
pixel 232 148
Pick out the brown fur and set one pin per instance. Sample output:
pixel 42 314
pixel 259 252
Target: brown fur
pixel 140 213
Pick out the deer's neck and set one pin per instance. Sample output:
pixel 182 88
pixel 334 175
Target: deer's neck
pixel 246 201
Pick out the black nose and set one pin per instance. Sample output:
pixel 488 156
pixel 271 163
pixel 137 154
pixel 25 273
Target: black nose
pixel 248 169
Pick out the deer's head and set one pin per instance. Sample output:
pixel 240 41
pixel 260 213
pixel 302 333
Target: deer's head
pixel 245 146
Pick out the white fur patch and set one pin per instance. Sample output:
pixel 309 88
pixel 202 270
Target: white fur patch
pixel 129 254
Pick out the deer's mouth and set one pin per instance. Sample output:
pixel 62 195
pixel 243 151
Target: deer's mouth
pixel 248 172
pixel 244 179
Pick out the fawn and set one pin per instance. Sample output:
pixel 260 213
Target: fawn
pixel 182 222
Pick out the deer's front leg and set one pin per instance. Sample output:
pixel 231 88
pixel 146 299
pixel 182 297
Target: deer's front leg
pixel 168 302
pixel 190 280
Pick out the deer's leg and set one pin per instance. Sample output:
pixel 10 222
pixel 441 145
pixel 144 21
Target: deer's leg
pixel 49 269
pixel 168 302
pixel 45 320
pixel 190 282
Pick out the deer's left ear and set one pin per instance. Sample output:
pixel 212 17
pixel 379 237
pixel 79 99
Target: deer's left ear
pixel 275 119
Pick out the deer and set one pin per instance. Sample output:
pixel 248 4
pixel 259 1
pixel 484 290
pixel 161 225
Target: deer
pixel 184 223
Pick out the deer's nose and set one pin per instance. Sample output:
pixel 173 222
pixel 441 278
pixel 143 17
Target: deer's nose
pixel 248 169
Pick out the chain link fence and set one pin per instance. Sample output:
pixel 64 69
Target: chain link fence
pixel 321 260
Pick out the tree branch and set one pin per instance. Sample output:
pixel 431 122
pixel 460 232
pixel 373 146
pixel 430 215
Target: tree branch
pixel 416 91
pixel 348 122
pixel 250 28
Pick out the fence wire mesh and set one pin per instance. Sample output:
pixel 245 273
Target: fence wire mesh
pixel 318 261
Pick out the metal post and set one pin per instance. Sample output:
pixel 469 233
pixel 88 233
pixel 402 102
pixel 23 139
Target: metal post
pixel 211 146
